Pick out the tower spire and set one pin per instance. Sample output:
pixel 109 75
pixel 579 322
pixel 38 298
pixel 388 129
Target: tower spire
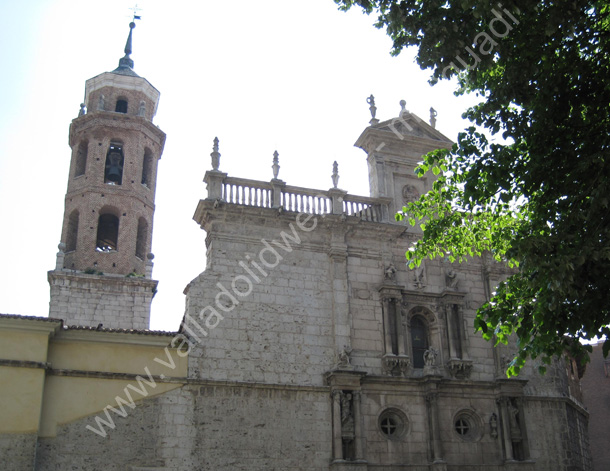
pixel 126 61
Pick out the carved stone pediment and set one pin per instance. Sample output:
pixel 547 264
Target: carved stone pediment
pixel 459 368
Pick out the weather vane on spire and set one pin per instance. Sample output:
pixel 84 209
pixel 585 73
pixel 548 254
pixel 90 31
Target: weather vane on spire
pixel 125 63
pixel 135 13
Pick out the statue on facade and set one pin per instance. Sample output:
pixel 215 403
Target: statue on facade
pixel 344 358
pixel 493 425
pixel 433 115
pixel 430 357
pixel 419 276
pixel 451 278
pixel 373 109
pixel 390 272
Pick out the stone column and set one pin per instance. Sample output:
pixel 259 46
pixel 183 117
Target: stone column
pixel 358 424
pixel 337 440
pixel 340 301
pixel 508 444
pixel 432 400
pixel 450 331
pixel 387 314
pixel 400 331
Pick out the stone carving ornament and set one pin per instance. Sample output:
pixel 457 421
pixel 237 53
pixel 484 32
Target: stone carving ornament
pixel 409 194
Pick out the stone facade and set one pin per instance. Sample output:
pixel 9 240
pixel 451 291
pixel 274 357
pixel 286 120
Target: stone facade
pixel 307 342
pixel 596 395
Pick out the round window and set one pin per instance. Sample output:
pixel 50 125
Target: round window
pixel 393 424
pixel 466 425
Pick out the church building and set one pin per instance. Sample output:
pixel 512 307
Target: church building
pixel 307 342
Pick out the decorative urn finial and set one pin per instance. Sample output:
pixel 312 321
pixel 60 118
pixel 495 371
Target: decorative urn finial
pixel 276 165
pixel 403 105
pixel 335 175
pixel 215 155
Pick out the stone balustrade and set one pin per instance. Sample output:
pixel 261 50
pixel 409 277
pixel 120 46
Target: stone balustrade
pixel 276 194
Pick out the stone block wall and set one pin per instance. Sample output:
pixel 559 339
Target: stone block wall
pixel 115 301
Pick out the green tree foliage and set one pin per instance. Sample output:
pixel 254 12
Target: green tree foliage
pixel 530 182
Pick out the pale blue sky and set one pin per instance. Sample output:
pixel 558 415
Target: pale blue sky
pixel 285 75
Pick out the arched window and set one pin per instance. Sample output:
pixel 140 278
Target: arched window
pixel 141 238
pixel 113 170
pixel 72 231
pixel 419 341
pixel 107 233
pixel 147 168
pixel 121 105
pixel 81 159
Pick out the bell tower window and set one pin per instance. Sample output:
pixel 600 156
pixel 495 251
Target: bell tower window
pixel 147 168
pixel 107 233
pixel 419 341
pixel 141 238
pixel 121 105
pixel 113 172
pixel 72 232
pixel 81 159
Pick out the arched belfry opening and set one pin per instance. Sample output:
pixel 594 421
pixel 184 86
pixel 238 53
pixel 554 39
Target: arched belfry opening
pixel 121 105
pixel 113 170
pixel 107 239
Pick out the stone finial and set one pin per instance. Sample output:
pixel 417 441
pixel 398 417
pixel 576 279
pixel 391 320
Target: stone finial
pixel 403 108
pixel 335 175
pixel 81 112
pixel 373 109
pixel 433 115
pixel 215 155
pixel 276 165
pixel 61 255
pixel 149 265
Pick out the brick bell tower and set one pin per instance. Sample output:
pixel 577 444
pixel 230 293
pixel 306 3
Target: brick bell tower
pixel 104 265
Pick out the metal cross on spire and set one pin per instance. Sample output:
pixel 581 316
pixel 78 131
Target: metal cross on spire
pixel 135 10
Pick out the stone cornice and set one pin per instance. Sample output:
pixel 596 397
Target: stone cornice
pixel 150 339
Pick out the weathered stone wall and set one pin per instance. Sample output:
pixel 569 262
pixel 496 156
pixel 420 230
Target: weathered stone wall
pixel 112 300
pixel 204 427
pixel 18 451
